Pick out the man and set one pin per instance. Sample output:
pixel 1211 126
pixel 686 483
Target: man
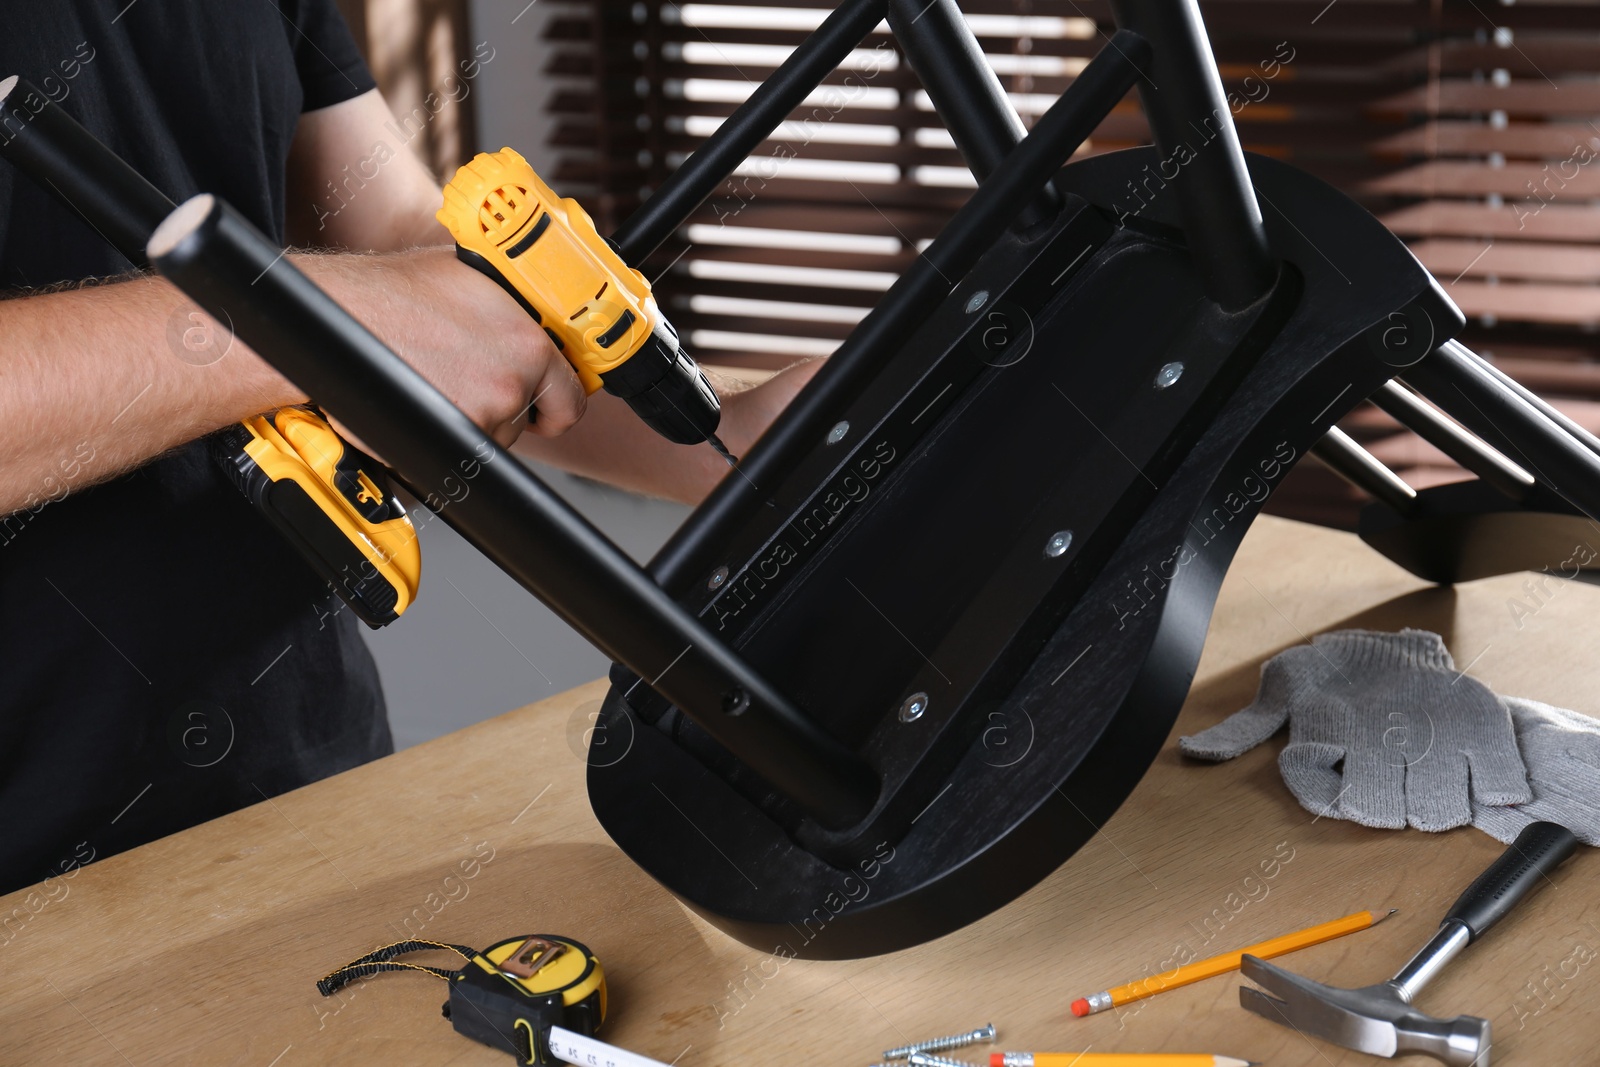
pixel 141 598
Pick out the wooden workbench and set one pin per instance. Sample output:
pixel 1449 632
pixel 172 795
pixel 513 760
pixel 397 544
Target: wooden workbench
pixel 204 947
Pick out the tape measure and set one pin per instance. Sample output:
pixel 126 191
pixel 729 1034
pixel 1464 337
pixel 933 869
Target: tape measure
pixel 508 996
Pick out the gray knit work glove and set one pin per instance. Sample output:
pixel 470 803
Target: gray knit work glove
pixel 1562 751
pixel 1383 730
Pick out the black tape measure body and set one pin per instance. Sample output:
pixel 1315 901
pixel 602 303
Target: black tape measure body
pixel 490 1005
pixel 509 995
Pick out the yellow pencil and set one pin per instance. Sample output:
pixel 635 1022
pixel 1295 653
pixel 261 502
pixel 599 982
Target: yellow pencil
pixel 1228 961
pixel 1113 1059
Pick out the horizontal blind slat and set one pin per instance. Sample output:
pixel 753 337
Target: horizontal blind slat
pixel 1445 118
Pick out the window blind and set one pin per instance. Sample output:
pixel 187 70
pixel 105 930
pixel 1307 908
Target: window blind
pixel 1471 129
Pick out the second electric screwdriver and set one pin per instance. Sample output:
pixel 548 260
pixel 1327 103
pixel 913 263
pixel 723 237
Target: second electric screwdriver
pixel 598 311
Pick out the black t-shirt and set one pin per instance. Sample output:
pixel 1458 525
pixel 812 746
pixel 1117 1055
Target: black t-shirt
pixel 164 656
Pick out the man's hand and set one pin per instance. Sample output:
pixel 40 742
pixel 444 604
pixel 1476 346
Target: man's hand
pixel 463 333
pixel 448 321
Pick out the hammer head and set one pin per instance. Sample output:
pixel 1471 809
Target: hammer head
pixel 1374 1019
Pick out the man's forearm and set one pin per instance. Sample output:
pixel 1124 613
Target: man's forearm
pixel 96 381
pixel 613 445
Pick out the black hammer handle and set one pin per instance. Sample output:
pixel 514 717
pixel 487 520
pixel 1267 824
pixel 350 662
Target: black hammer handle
pixel 1521 868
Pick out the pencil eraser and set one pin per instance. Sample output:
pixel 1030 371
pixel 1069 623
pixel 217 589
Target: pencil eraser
pixel 1080 1007
pixel 997 1059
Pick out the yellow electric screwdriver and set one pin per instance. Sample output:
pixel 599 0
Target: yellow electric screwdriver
pixel 334 504
pixel 598 311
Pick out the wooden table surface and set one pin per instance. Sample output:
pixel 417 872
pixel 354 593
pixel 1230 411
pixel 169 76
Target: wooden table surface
pixel 204 947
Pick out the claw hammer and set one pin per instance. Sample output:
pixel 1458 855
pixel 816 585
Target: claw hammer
pixel 1379 1019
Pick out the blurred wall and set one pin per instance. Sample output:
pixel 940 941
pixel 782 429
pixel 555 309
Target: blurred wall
pixel 513 90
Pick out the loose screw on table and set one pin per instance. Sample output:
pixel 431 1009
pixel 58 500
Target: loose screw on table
pixel 938 1044
pixel 923 1059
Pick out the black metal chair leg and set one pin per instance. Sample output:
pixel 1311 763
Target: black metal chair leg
pixel 1468 390
pixel 940 47
pixel 51 147
pixel 1363 470
pixel 1450 438
pixel 1200 157
pixel 1583 436
pixel 750 124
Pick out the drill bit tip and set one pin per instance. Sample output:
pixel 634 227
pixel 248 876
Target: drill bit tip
pixel 722 450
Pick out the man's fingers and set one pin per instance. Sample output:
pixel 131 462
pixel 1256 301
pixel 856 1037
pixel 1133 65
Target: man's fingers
pixel 558 400
pixel 506 433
